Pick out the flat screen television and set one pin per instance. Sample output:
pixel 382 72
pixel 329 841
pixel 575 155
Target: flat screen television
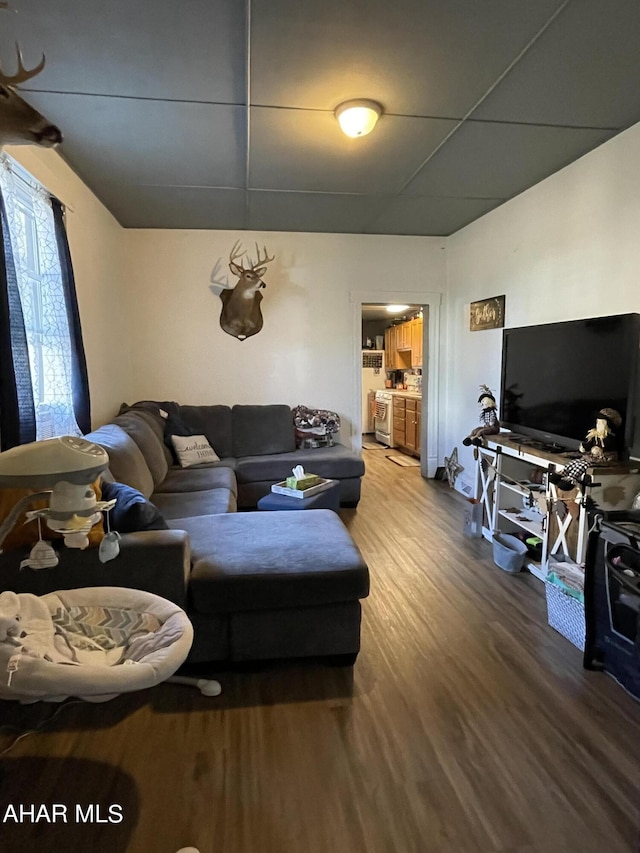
pixel 556 377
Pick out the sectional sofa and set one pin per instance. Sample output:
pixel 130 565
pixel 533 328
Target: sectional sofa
pixel 255 585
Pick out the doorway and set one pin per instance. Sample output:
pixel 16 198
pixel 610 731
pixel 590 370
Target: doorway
pixel 392 377
pixel 364 306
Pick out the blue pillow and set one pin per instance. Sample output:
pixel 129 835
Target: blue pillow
pixel 132 511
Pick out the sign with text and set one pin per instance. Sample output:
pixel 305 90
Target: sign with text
pixel 487 314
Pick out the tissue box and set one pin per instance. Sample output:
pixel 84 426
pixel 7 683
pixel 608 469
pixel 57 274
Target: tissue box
pixel 303 482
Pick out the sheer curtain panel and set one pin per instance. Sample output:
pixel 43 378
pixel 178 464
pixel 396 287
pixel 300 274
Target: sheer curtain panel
pixel 35 237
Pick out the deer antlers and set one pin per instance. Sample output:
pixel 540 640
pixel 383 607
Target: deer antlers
pixel 23 74
pixel 238 252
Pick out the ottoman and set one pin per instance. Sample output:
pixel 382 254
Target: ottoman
pixel 326 499
pixel 275 585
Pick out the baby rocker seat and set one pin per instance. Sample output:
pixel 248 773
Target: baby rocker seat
pixel 92 643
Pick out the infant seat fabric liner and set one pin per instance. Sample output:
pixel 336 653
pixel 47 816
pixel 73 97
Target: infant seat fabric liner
pixel 92 643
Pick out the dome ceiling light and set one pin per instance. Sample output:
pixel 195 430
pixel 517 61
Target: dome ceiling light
pixel 358 118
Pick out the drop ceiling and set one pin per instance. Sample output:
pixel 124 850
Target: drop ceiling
pixel 219 113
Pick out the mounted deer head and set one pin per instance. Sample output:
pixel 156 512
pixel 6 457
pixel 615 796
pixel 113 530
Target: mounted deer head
pixel 241 316
pixel 21 124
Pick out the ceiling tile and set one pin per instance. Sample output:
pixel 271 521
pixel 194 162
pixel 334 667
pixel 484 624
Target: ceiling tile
pixel 155 207
pixel 416 57
pixel 324 212
pixel 493 160
pixel 193 50
pixel 306 150
pixel 584 71
pixel 160 142
pixel 151 96
pixel 436 217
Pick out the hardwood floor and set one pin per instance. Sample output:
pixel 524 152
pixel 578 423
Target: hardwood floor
pixel 467 726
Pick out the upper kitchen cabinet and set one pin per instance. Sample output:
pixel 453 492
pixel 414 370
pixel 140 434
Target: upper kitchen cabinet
pixel 390 352
pixel 397 348
pixel 416 341
pixel 403 345
pixel 403 336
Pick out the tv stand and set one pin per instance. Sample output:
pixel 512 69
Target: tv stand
pixel 517 497
pixel 546 446
pixel 553 448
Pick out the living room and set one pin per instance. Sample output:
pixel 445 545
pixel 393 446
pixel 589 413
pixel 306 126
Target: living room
pixel 395 767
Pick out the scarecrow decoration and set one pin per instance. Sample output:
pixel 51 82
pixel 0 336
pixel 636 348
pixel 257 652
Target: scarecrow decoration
pixel 489 423
pixel 599 446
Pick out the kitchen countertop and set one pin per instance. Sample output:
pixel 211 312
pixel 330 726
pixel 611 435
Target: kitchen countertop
pixel 400 393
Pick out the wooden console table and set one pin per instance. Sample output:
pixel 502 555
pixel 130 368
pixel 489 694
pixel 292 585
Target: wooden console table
pixel 516 495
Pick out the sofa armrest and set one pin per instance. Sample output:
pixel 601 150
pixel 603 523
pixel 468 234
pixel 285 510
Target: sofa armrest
pixel 157 561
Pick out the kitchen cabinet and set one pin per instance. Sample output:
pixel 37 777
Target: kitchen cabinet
pixel 397 345
pixel 412 439
pixel 390 352
pixel 403 333
pixel 416 342
pixel 399 421
pixel 406 423
pixel 403 345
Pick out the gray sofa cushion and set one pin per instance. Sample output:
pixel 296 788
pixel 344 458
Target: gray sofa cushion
pixel 258 430
pixel 192 504
pixel 219 475
pixel 150 411
pixel 214 422
pixel 126 462
pixel 136 425
pixel 336 462
pixel 259 560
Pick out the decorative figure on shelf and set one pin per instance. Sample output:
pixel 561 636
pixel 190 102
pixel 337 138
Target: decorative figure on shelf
pixel 489 423
pixel 241 316
pixel 599 446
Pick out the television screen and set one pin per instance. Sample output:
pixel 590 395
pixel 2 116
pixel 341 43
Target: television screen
pixel 555 378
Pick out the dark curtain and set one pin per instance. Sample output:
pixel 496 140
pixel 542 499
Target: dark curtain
pixel 17 412
pixel 80 381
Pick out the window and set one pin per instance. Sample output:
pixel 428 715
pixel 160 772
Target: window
pixel 40 284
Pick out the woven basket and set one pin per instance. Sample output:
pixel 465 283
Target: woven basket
pixel 566 615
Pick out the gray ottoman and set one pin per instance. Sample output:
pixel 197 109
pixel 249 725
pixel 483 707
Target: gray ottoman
pixel 326 499
pixel 285 584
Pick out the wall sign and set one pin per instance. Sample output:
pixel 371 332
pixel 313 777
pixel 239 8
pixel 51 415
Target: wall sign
pixel 487 314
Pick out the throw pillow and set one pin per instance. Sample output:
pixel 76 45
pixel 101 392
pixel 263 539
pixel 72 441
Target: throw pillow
pixel 26 535
pixel 132 511
pixel 193 450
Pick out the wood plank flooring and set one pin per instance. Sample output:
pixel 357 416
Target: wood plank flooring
pixel 467 726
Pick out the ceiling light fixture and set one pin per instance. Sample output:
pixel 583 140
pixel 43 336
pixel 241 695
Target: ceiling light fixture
pixel 395 309
pixel 357 118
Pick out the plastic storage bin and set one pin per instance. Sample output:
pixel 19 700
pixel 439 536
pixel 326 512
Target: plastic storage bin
pixel 508 552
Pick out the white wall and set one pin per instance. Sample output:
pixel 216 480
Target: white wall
pixel 307 352
pixel 567 248
pixel 95 241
